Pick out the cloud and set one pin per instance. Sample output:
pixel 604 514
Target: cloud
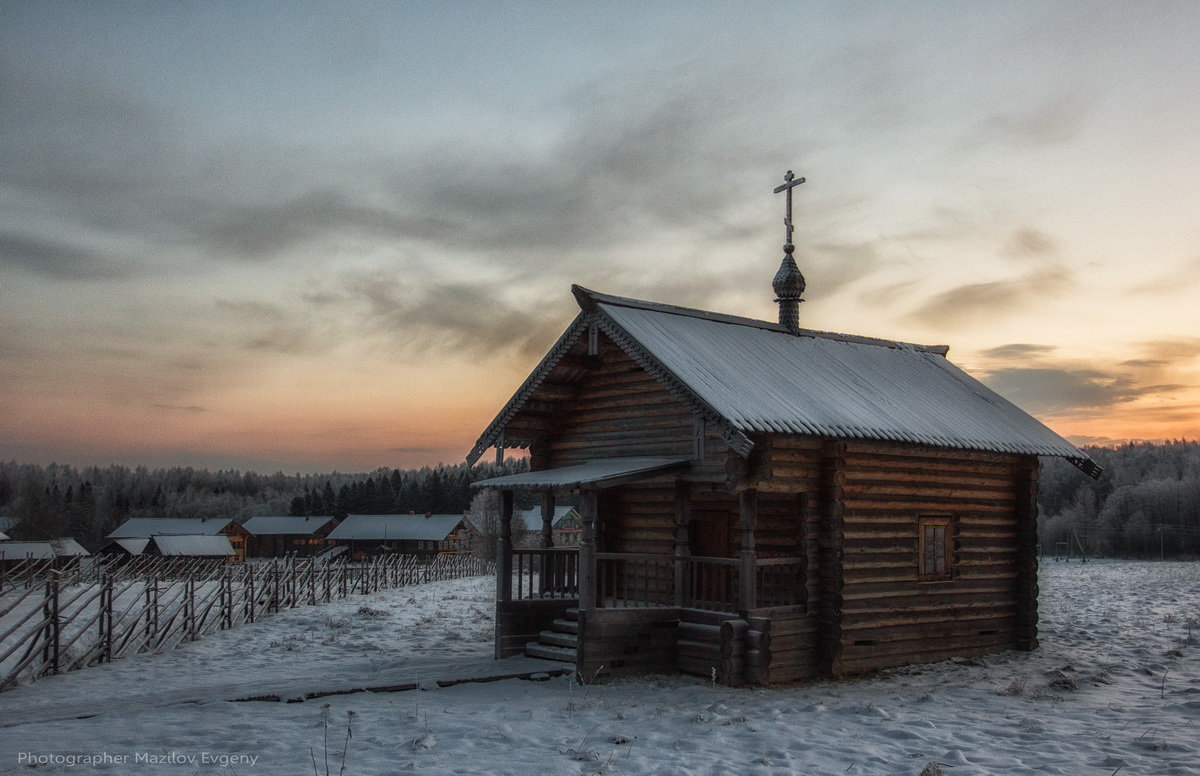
pixel 1054 121
pixel 56 260
pixel 181 407
pixel 1181 278
pixel 1017 351
pixel 1053 390
pixel 975 303
pixel 1029 242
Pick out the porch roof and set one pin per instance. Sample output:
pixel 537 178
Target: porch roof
pixel 600 473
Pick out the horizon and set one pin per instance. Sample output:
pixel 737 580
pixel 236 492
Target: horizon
pixel 286 237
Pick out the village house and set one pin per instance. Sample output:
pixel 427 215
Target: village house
pixel 407 534
pixel 277 536
pixel 149 527
pixel 764 501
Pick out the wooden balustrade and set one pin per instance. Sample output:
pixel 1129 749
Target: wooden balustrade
pixel 545 573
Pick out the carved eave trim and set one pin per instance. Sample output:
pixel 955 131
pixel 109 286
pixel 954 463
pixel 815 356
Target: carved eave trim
pixel 494 434
pixel 735 438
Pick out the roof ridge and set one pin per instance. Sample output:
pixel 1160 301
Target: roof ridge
pixel 588 300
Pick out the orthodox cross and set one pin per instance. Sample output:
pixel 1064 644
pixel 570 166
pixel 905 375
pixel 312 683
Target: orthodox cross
pixel 790 182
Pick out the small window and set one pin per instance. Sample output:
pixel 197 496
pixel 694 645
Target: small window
pixel 935 548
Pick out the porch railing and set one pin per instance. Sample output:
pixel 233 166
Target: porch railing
pixel 629 580
pixel 545 573
pixel 710 583
pixel 625 580
pixel 781 581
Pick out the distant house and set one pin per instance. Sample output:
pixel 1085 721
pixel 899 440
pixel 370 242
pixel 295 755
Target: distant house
pixel 148 527
pixel 175 546
pixel 61 551
pixel 565 526
pixel 408 534
pixel 276 536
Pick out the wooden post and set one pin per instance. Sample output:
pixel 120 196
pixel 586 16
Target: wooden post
pixel 548 519
pixel 1027 563
pixel 504 549
pixel 683 516
pixel 106 619
pixel 747 568
pixel 587 551
pixel 830 575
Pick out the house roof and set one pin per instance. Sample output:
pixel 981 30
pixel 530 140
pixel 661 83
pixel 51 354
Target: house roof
pixel 23 550
pixel 68 547
pixel 7 523
pixel 601 473
pixel 285 525
pixel 145 527
pixel 4 537
pixel 55 548
pixel 396 527
pixel 131 546
pixel 193 546
pixel 531 519
pixel 747 376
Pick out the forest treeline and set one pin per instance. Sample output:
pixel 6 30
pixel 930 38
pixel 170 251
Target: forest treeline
pixel 88 503
pixel 1145 504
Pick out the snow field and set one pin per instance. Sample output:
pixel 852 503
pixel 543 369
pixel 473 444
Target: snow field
pixel 1115 688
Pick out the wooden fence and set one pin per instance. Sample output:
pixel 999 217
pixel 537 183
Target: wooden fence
pixel 56 620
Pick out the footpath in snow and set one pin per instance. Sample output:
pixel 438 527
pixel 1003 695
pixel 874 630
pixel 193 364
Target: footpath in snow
pixel 1115 689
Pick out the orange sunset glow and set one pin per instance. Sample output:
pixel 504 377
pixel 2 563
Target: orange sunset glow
pixel 276 238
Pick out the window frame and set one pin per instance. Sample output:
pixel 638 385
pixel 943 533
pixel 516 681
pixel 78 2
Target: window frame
pixel 948 524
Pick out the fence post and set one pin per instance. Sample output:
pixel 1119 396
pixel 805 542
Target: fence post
pixel 106 618
pixel 248 600
pixel 50 651
pixel 189 603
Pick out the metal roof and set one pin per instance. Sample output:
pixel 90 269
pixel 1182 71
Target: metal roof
pixel 285 525
pixel 193 546
pixel 751 376
pixel 68 547
pixel 396 527
pixel 531 519
pixel 145 527
pixel 132 546
pixel 600 473
pixel 23 550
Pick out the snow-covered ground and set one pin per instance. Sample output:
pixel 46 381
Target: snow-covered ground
pixel 1115 688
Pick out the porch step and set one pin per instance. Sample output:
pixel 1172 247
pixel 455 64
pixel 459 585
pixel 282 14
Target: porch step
pixel 547 652
pixel 573 614
pixel 555 639
pixel 565 626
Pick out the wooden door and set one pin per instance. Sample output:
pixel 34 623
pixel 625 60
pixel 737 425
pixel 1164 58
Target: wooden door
pixel 708 534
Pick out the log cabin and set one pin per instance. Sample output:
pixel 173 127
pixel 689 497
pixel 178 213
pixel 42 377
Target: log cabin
pixel 148 527
pixel 275 536
pixel 764 503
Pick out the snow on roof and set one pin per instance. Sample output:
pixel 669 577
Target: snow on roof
pixel 3 536
pixel 68 547
pixel 132 546
pixel 396 527
pixel 193 546
pixel 285 525
pixel 600 472
pixel 531 519
pixel 23 550
pixel 145 527
pixel 753 376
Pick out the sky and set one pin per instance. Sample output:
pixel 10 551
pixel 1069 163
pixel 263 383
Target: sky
pixel 316 236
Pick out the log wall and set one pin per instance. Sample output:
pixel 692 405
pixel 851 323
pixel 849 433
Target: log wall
pixel 619 642
pixel 889 616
